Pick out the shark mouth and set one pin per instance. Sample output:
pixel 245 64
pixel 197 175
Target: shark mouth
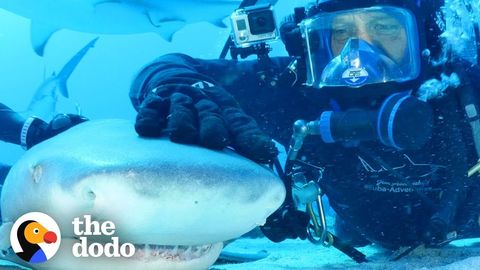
pixel 146 256
pixel 171 253
pixel 148 252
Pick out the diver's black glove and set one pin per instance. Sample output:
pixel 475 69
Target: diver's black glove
pixel 436 233
pixel 286 222
pixel 36 130
pixel 291 36
pixel 207 115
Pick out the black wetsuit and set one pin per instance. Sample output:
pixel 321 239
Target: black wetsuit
pixel 385 194
pixel 10 128
pixel 10 125
pixel 4 169
pixel 36 130
pixel 3 172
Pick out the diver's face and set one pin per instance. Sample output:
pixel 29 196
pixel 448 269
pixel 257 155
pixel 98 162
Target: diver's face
pixel 377 28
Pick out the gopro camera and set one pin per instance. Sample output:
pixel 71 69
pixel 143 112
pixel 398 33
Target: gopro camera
pixel 253 25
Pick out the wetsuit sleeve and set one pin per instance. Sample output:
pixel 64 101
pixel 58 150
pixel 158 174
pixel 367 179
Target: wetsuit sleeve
pixel 10 125
pixel 241 78
pixel 4 169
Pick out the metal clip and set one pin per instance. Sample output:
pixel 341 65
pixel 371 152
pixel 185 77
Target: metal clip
pixel 475 169
pixel 317 231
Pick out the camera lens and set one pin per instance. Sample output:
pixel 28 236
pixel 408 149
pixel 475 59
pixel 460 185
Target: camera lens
pixel 261 22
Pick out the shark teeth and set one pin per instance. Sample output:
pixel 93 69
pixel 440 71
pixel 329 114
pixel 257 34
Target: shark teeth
pixel 149 252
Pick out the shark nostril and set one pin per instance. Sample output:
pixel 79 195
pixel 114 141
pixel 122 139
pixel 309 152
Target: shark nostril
pixel 90 194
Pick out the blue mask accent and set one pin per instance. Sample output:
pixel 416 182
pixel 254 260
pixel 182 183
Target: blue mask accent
pixel 360 63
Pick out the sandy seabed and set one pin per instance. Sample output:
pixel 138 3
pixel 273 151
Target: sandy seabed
pixel 302 255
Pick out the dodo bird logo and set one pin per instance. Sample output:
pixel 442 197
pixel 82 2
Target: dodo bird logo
pixel 35 237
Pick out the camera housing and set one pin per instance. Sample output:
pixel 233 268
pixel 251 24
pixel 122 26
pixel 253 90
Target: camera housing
pixel 253 25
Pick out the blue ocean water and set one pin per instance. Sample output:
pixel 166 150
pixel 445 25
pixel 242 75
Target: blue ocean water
pixel 101 82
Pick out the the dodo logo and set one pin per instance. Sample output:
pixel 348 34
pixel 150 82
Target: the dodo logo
pixel 35 237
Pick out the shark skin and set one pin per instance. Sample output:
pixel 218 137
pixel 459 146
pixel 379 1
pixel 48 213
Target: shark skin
pixel 103 17
pixel 155 191
pixel 46 96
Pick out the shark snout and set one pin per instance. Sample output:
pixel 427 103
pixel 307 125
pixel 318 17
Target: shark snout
pixel 154 210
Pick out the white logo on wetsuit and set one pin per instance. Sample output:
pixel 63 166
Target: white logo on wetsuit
pixel 202 84
pixel 381 179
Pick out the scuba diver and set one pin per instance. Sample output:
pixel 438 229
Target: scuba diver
pixel 28 132
pixel 391 159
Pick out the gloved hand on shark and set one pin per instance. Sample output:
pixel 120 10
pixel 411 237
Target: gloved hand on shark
pixel 30 131
pixel 36 130
pixel 140 168
pixel 206 115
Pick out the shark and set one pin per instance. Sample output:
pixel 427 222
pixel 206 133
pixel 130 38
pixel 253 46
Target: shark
pixel 43 103
pixel 176 203
pixel 116 16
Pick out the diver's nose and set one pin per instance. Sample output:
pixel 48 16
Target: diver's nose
pixel 363 35
pixel 361 30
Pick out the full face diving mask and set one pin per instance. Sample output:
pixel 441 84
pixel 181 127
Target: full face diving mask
pixel 359 63
pixel 352 48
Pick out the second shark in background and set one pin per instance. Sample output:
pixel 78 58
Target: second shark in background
pixel 43 103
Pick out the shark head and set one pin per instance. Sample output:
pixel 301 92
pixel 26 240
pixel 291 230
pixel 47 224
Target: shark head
pixel 175 203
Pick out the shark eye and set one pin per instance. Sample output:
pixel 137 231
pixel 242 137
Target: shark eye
pixel 36 231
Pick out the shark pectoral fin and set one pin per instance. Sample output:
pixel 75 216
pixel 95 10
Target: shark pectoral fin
pixel 40 34
pixel 166 27
pixel 62 88
pixel 5 229
pixel 69 67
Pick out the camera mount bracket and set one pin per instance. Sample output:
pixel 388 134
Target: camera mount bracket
pixel 260 49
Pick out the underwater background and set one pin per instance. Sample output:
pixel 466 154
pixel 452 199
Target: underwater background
pixel 99 85
pixel 99 88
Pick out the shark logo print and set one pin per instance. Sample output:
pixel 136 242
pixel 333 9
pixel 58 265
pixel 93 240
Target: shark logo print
pixel 35 237
pixel 378 178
